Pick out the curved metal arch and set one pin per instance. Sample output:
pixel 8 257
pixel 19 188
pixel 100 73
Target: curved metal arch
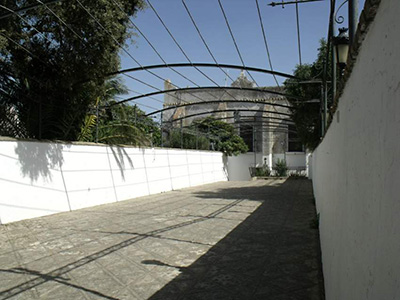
pixel 231 110
pixel 259 129
pixel 262 117
pixel 280 126
pixel 204 88
pixel 215 101
pixel 212 65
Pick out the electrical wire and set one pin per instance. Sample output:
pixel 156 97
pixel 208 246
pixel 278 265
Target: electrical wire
pixel 54 14
pixel 27 8
pixel 24 48
pixel 265 42
pixel 206 45
pixel 184 53
pixel 234 40
pixel 157 52
pixel 204 41
pixel 27 22
pixel 152 46
pixel 121 46
pixel 178 45
pixel 116 41
pixel 298 30
pixel 155 99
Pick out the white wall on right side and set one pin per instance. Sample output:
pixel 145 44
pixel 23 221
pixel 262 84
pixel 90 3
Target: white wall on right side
pixel 356 172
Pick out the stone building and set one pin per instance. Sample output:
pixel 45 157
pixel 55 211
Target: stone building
pixel 259 124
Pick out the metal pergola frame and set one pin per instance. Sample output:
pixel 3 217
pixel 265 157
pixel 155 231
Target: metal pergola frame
pixel 233 110
pixel 208 65
pixel 215 101
pixel 204 88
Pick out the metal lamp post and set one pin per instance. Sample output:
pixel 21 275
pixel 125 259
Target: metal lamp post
pixel 341 46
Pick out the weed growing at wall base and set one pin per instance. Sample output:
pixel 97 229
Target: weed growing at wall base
pixel 280 168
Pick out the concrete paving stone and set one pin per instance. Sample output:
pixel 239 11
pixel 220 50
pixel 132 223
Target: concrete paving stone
pixel 100 281
pixel 146 287
pixel 68 257
pixel 44 265
pixel 65 292
pixel 8 260
pixel 228 240
pixel 127 274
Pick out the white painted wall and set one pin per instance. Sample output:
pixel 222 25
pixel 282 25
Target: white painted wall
pixel 356 172
pixel 238 166
pixel 296 160
pixel 38 178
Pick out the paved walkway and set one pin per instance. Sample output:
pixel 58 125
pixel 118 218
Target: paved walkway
pixel 229 240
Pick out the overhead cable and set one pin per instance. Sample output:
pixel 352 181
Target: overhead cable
pixel 234 40
pixel 205 44
pixel 27 8
pixel 298 31
pixel 121 46
pixel 265 42
pixel 153 47
pixel 204 41
pixel 177 44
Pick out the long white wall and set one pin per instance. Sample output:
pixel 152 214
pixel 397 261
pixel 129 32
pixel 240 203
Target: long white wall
pixel 356 172
pixel 38 178
pixel 239 166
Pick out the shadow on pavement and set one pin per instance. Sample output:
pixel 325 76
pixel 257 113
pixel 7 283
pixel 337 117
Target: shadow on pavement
pixel 273 254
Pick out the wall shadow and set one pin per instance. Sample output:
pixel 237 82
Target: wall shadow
pixel 122 159
pixel 37 158
pixel 63 270
pixel 273 254
pixel 58 279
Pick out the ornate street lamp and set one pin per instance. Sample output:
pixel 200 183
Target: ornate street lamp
pixel 341 46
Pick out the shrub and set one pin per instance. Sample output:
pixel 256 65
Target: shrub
pixel 262 171
pixel 280 168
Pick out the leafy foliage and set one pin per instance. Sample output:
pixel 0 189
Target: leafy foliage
pixel 263 171
pixel 53 62
pixel 307 116
pixel 228 141
pixel 280 168
pixel 190 140
pixel 208 134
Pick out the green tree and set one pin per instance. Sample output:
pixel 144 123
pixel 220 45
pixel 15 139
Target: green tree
pixel 306 115
pixel 227 140
pixel 53 60
pixel 113 123
pixel 189 140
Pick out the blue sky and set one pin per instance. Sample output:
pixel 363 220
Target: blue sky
pixel 279 25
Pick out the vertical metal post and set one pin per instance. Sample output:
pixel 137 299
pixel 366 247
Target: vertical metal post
pixel 322 111
pixel 197 140
pixel 298 32
pixel 40 119
pixel 97 121
pixel 353 18
pixel 161 125
pixel 334 65
pixel 181 134
pixel 254 146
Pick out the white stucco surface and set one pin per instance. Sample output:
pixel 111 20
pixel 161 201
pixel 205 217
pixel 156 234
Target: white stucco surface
pixel 356 172
pixel 38 178
pixel 296 160
pixel 238 166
